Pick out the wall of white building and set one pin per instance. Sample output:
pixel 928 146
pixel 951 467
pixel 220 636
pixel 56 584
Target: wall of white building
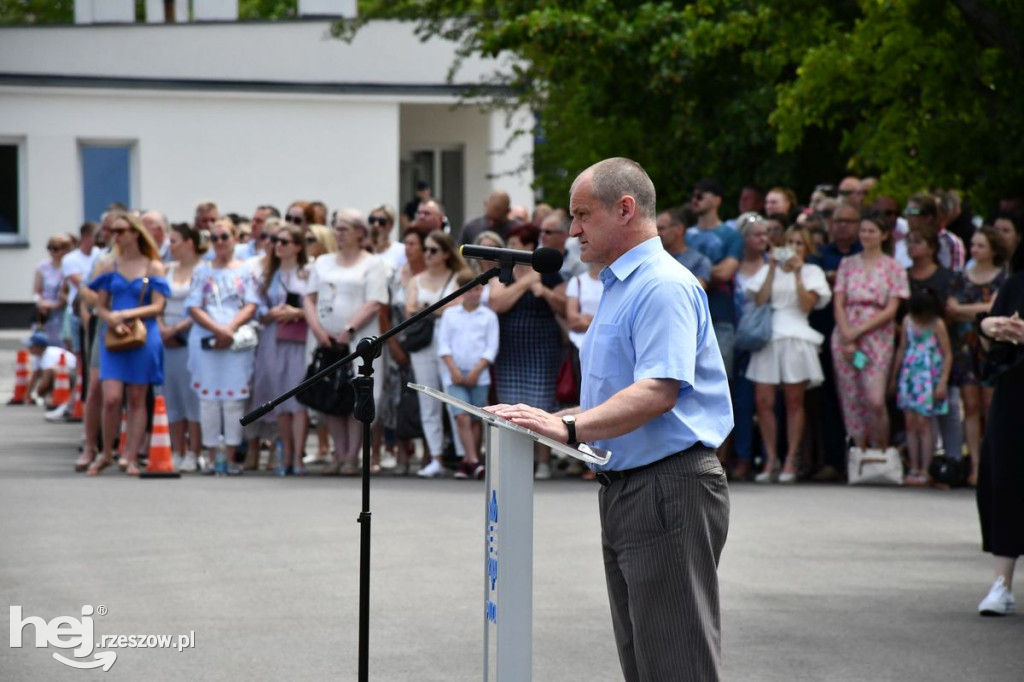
pixel 361 110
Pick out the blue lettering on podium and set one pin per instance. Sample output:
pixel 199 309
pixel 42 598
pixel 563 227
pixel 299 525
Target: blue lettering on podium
pixel 492 507
pixel 491 611
pixel 492 572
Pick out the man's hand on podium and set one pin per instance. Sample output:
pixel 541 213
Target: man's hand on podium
pixel 535 419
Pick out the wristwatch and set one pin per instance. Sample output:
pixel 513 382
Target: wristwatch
pixel 570 426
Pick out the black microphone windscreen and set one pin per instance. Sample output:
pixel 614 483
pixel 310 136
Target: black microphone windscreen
pixel 546 261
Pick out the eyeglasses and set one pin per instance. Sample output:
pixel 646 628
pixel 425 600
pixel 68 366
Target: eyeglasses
pixel 264 237
pixel 374 220
pixel 222 237
pixel 431 249
pixel 54 247
pixel 697 196
pixel 912 211
pixel 294 219
pixel 283 242
pixel 244 236
pixel 311 239
pixel 118 230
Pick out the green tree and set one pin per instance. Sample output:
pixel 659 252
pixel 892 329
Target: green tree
pixel 792 92
pixel 37 12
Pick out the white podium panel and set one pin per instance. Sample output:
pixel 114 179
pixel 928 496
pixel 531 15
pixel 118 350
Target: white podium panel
pixel 508 538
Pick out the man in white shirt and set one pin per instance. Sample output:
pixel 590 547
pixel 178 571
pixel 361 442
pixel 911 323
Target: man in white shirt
pixel 74 268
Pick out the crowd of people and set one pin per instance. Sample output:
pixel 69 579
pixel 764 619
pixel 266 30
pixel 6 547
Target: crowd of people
pixel 874 338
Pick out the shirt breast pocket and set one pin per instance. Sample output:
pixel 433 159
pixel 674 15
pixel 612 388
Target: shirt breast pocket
pixel 610 357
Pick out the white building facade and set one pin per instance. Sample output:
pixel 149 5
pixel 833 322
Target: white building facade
pixel 243 113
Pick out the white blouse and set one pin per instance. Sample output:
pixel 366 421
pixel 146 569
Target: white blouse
pixel 788 320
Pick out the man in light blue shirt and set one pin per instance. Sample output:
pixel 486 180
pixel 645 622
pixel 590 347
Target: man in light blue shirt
pixel 655 393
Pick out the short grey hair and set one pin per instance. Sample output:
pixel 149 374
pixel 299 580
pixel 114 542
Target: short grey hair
pixel 614 178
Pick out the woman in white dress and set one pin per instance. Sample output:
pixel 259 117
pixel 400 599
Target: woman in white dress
pixel 793 288
pixel 343 299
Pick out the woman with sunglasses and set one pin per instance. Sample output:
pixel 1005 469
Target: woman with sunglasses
pixel 281 353
pixel 175 327
pixel 130 285
pixel 223 299
pixel 46 290
pixel 343 299
pixel 436 281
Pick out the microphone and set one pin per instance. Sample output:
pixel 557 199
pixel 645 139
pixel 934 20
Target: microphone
pixel 543 260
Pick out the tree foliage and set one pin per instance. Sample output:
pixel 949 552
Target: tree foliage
pixel 790 92
pixel 37 12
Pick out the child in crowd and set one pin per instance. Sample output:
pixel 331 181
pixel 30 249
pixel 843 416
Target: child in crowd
pixel 45 359
pixel 920 377
pixel 467 343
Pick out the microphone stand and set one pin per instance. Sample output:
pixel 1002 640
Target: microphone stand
pixel 367 349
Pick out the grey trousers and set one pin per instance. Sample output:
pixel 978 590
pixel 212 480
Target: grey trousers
pixel 662 533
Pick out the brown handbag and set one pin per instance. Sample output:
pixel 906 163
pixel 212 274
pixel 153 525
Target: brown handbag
pixel 135 337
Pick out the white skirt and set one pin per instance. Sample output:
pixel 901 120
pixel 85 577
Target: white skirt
pixel 786 361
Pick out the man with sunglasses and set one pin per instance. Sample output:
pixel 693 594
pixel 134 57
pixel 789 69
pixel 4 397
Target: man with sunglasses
pixel 723 246
pixel 851 192
pixel 257 242
pixel 922 213
pixel 554 233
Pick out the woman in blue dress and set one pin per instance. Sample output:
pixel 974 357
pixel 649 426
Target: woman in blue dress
pixel 130 285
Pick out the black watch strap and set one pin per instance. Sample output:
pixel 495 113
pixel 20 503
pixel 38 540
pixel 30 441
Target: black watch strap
pixel 570 426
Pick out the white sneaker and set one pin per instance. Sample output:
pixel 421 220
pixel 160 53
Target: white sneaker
pixel 387 460
pixel 188 463
pixel 433 470
pixel 542 472
pixel 57 414
pixel 176 461
pixel 999 601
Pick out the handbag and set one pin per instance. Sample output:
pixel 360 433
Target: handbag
pixel 295 331
pixel 420 333
pixel 135 337
pixel 408 424
pixel 755 328
pixel 874 467
pixel 334 394
pixel 567 390
pixel 244 338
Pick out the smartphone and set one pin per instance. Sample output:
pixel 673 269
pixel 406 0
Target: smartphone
pixel 860 359
pixel 209 342
pixel 781 254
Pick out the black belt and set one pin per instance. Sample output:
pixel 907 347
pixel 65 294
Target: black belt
pixel 606 478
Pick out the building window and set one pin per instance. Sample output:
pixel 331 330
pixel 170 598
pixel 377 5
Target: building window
pixel 106 177
pixel 11 192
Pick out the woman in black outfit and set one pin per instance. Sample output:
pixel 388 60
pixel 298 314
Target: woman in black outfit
pixel 1001 477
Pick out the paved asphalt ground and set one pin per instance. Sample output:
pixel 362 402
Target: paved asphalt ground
pixel 818 582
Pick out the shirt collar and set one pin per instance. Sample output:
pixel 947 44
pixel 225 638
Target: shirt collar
pixel 627 263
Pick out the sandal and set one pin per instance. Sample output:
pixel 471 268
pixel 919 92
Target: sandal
pixel 132 469
pixel 122 463
pixel 331 469
pixel 98 465
pixel 375 469
pixel 348 469
pixel 83 462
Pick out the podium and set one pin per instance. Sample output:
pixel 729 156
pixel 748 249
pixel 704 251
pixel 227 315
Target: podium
pixel 508 538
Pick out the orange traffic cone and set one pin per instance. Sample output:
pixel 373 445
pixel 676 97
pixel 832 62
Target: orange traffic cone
pixel 78 410
pixel 21 377
pixel 123 442
pixel 61 385
pixel 160 462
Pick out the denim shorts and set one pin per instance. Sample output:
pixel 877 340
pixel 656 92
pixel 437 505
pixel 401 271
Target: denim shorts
pixel 474 396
